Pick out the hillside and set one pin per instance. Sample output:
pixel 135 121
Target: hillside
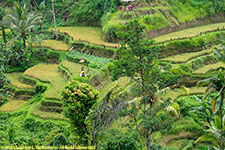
pixel 146 81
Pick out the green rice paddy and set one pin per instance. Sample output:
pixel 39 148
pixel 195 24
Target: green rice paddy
pixel 86 34
pixel 189 32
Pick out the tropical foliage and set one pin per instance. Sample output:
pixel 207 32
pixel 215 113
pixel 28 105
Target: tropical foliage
pixel 21 21
pixel 78 98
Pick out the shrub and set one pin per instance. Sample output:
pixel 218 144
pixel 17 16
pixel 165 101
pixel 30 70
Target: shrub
pixel 90 12
pixel 31 124
pixel 114 140
pixel 148 20
pixel 78 98
pixel 39 88
pixel 186 124
pixel 110 29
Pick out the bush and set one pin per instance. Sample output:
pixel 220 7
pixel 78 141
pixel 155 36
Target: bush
pixel 78 98
pixel 31 124
pixel 88 12
pixel 39 88
pixel 114 140
pixel 110 30
pixel 187 124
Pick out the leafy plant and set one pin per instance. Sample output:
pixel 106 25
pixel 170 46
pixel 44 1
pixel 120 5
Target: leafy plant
pixel 216 85
pixel 78 98
pixel 21 21
pixel 114 140
pixel 214 133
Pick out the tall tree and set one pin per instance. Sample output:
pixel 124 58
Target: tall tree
pixel 20 20
pixel 53 13
pixel 138 60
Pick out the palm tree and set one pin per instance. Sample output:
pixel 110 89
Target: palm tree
pixel 20 20
pixel 53 13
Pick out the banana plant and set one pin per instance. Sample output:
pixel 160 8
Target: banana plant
pixel 216 85
pixel 214 133
pixel 220 52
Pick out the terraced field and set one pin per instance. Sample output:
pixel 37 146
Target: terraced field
pixel 12 105
pixel 15 80
pixel 206 68
pixel 176 93
pixel 73 68
pixel 56 45
pixel 53 75
pixel 48 73
pixel 86 34
pixel 184 57
pixel 189 32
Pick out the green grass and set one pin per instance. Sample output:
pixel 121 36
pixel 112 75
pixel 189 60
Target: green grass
pixel 15 81
pixel 87 34
pixel 48 73
pixel 207 68
pixel 12 105
pixel 73 68
pixel 184 57
pixel 56 45
pixel 189 32
pixel 177 92
pixel 35 111
pixel 121 82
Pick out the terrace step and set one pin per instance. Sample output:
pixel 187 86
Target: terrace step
pixel 51 109
pixel 208 68
pixel 185 57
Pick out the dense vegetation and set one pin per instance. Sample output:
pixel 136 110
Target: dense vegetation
pixel 62 83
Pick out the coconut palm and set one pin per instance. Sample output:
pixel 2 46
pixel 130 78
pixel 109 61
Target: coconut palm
pixel 20 20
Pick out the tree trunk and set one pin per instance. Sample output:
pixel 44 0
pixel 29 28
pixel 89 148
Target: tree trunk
pixel 53 13
pixel 3 34
pixel 221 117
pixel 148 142
pixel 24 39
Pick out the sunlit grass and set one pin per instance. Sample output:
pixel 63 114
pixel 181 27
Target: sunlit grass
pixel 184 57
pixel 48 73
pixel 56 45
pixel 46 115
pixel 73 68
pixel 121 82
pixel 88 34
pixel 15 81
pixel 206 68
pixel 177 92
pixel 189 32
pixel 12 105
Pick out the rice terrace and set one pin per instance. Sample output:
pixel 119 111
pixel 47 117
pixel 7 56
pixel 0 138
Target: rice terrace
pixel 112 74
